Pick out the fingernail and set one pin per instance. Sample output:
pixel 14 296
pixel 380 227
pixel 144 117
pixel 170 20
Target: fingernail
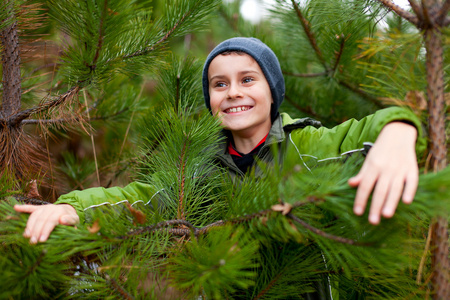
pixel 33 240
pixel 26 233
pixel 407 199
pixel 358 210
pixel 374 219
pixel 41 239
pixel 388 211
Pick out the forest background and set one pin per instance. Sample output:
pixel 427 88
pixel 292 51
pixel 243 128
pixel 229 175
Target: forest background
pixel 341 60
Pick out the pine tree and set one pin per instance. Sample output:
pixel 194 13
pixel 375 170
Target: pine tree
pixel 277 237
pixel 102 49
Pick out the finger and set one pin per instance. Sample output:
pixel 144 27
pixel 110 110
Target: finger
pixel 362 194
pixel 47 228
pixel 411 183
pixel 30 227
pixel 26 208
pixel 69 220
pixel 39 226
pixel 378 200
pixel 393 197
pixel 354 181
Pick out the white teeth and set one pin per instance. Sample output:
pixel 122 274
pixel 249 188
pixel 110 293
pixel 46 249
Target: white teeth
pixel 237 109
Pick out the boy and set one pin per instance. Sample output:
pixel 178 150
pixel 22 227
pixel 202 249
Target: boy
pixel 243 86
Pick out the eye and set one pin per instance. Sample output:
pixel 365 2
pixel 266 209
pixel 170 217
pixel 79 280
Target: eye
pixel 247 79
pixel 219 84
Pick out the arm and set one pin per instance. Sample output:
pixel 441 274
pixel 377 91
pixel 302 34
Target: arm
pixel 69 209
pixel 393 156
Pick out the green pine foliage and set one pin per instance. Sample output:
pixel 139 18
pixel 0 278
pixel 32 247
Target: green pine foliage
pixel 248 252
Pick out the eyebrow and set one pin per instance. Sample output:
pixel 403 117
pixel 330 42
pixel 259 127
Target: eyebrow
pixel 240 73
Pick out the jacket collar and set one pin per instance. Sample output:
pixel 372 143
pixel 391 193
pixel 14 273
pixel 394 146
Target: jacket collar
pixel 277 134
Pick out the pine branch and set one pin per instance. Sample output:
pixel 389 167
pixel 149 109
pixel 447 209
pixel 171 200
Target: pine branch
pixel 416 8
pixel 401 12
pixel 26 200
pixel 36 264
pixel 324 234
pixel 160 42
pixel 52 65
pixel 427 20
pixel 340 52
pixel 269 286
pixel 360 92
pixel 22 115
pixel 311 37
pixel 100 36
pixel 125 294
pixel 182 178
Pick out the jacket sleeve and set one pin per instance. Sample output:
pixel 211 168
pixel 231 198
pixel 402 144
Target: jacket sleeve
pixel 82 200
pixel 351 135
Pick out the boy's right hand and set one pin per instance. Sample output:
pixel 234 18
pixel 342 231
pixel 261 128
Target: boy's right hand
pixel 44 218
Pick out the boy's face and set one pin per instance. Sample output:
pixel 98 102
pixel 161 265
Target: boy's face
pixel 240 95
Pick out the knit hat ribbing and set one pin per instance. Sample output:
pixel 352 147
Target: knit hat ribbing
pixel 263 55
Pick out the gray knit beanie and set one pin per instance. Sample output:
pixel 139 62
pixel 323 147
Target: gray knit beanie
pixel 266 59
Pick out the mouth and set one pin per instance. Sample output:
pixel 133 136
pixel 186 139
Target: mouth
pixel 237 109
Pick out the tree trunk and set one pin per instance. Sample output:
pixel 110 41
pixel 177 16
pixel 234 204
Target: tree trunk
pixel 438 151
pixel 11 68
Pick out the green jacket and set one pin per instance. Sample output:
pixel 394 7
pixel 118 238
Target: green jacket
pixel 302 137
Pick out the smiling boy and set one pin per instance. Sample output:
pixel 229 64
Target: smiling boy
pixel 243 86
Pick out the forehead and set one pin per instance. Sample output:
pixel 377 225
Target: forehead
pixel 232 62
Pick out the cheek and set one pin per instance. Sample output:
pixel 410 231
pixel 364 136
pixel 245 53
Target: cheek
pixel 214 103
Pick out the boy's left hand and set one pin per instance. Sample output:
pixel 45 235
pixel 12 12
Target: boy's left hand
pixel 390 170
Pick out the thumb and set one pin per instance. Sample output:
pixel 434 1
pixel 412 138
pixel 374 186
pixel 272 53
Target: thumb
pixel 69 220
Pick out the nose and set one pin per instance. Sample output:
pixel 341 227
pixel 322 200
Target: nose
pixel 234 91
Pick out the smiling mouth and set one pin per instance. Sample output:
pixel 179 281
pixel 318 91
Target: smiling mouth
pixel 237 109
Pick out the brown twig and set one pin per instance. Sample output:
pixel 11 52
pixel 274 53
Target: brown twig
pixel 416 8
pixel 339 53
pixel 118 288
pixel 182 181
pixel 26 200
pixel 424 256
pixel 22 115
pixel 307 28
pixel 192 229
pixel 401 12
pixel 160 225
pixel 268 287
pixel 37 263
pixel 427 20
pixel 325 234
pixel 53 65
pixel 100 36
